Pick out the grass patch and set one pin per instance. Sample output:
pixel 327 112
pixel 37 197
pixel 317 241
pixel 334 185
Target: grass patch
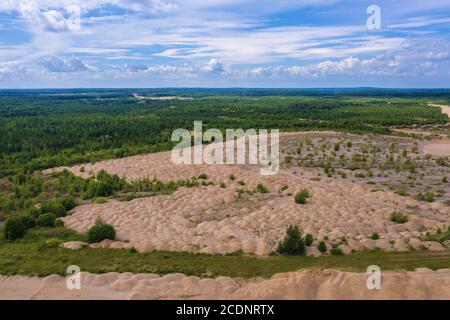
pixel 35 255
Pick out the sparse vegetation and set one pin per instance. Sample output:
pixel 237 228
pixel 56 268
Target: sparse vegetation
pixel 301 196
pixel 398 217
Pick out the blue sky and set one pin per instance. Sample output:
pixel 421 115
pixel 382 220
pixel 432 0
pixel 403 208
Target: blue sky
pixel 218 43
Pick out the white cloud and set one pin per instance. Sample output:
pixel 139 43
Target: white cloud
pixel 64 64
pixel 214 66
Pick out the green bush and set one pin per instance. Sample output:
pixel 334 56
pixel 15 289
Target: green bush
pixel 322 247
pixel 261 188
pixel 292 243
pixel 14 228
pixel 374 236
pixel 101 231
pixel 336 251
pixel 68 203
pixel 27 221
pixel 59 223
pixel 308 240
pixel 46 220
pixel 399 217
pixel 301 196
pixel 203 176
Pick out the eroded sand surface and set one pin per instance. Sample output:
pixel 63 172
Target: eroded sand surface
pixel 212 219
pixel 309 284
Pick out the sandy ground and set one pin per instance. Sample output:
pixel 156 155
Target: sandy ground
pixel 212 220
pixel 307 284
pixel 436 147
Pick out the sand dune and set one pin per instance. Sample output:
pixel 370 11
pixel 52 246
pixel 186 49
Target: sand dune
pixel 212 220
pixel 308 284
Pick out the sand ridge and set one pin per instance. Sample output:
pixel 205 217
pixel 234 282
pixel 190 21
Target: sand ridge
pixel 305 284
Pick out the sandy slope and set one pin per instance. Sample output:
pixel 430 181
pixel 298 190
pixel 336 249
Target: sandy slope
pixel 308 284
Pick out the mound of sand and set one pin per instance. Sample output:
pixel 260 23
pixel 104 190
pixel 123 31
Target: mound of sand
pixel 309 284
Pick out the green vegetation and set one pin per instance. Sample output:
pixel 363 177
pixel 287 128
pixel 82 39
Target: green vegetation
pixel 439 235
pixel 292 243
pixel 398 217
pixel 374 236
pixel 336 251
pixel 101 231
pixel 322 247
pixel 301 196
pixel 36 254
pixel 43 129
pixel 308 239
pixel 261 188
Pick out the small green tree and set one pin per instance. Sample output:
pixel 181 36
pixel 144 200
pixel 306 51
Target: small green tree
pixel 292 243
pixel 322 247
pixel 14 228
pixel 101 231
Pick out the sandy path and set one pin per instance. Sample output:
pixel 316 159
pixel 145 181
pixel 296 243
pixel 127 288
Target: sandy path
pixel 307 284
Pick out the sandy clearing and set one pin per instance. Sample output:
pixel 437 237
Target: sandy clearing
pixel 436 147
pixel 212 220
pixel 306 284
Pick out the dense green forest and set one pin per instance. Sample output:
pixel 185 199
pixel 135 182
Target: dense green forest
pixel 45 128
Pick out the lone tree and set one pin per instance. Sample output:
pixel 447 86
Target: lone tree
pixel 292 243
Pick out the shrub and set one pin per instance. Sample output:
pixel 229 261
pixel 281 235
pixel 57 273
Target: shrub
pixel 241 182
pixel 100 200
pixel 203 176
pixel 68 203
pixel 301 196
pixel 399 217
pixel 101 231
pixel 322 247
pixel 132 250
pixel 429 196
pixel 14 228
pixel 223 185
pixel 445 179
pixel 336 251
pixel 46 220
pixel 441 161
pixel 232 177
pixel 374 236
pixel 308 239
pixel 401 192
pixel 27 221
pixel 59 223
pixel 261 188
pixel 292 243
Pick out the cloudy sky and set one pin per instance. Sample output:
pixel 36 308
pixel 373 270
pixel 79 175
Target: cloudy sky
pixel 223 43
